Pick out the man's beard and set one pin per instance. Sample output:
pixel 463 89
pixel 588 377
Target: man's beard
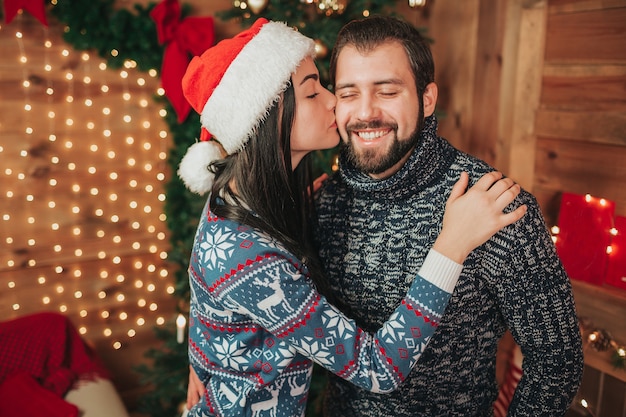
pixel 373 161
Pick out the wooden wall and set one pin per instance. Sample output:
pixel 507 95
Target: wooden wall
pixel 581 134
pixel 581 123
pixel 538 89
pixel 83 162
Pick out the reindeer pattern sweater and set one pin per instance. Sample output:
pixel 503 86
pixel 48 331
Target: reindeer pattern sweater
pixel 257 322
pixel 514 281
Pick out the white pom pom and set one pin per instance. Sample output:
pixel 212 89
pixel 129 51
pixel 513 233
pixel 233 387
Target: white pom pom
pixel 193 168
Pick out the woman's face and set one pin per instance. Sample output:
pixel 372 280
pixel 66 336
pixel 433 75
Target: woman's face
pixel 314 125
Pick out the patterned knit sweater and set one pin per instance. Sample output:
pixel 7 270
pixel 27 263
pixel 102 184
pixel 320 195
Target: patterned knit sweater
pixel 256 322
pixel 514 281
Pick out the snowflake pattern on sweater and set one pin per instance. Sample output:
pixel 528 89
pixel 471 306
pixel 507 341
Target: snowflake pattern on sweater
pixel 256 323
pixel 514 281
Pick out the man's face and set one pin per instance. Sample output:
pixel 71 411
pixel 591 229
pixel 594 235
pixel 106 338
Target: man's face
pixel 377 107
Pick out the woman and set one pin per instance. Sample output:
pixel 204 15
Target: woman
pixel 257 320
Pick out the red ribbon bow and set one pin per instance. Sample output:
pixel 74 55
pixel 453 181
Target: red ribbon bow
pixel 186 38
pixel 34 7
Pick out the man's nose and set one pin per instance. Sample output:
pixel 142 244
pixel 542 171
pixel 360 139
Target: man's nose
pixel 367 108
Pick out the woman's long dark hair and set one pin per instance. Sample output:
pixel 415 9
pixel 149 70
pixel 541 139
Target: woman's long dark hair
pixel 269 195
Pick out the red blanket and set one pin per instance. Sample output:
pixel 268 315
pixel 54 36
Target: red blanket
pixel 42 357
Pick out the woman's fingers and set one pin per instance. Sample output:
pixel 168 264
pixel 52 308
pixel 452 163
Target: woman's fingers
pixel 487 181
pixel 460 186
pixel 317 183
pixel 515 215
pixel 502 190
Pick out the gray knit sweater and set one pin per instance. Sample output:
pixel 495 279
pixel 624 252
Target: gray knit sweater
pixel 374 235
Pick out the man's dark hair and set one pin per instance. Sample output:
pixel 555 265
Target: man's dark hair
pixel 370 32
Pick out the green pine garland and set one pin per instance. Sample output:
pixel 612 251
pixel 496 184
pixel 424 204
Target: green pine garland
pixel 304 16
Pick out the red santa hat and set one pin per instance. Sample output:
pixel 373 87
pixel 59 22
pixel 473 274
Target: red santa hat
pixel 232 85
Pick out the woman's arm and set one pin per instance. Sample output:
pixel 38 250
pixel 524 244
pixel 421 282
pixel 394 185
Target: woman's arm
pixel 287 304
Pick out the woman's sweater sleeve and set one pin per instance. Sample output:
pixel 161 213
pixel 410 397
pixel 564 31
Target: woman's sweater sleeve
pixel 287 304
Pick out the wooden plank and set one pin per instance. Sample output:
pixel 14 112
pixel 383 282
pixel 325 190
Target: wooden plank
pixel 521 87
pixel 76 298
pixel 598 127
pixel 85 121
pixel 569 166
pixel 569 6
pixel 593 36
pixel 77 250
pixel 488 80
pixel 454 53
pixel 583 70
pixel 592 93
pixel 89 306
pixel 601 127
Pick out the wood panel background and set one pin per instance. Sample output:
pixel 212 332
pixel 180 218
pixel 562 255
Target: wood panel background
pixel 535 87
pixel 81 194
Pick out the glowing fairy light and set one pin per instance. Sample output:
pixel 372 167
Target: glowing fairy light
pixel 98 139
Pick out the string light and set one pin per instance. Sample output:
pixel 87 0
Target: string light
pixel 103 172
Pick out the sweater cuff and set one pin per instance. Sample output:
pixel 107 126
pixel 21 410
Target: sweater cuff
pixel 441 271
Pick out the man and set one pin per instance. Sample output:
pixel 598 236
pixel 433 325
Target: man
pixel 379 215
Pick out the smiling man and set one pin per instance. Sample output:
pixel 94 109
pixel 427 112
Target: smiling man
pixel 382 211
pixel 377 116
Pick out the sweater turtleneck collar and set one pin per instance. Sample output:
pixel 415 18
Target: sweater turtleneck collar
pixel 431 158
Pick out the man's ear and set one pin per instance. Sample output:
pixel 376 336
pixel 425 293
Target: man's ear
pixel 430 99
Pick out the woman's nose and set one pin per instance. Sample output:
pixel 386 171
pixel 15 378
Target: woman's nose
pixel 331 99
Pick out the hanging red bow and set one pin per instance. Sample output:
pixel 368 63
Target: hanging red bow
pixel 34 7
pixel 183 39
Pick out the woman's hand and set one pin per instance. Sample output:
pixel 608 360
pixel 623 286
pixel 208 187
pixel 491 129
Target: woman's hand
pixel 195 389
pixel 472 217
pixel 317 183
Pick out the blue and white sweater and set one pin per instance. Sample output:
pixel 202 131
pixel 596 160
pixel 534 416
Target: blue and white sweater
pixel 257 322
pixel 515 281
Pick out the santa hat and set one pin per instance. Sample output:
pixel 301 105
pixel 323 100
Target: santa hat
pixel 233 85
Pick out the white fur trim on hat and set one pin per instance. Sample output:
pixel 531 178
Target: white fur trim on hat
pixel 253 82
pixel 194 167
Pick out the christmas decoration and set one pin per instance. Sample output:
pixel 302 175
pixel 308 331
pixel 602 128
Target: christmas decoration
pixel 601 340
pixel 98 27
pixel 329 7
pixel 317 19
pixel 417 3
pixel 321 50
pixel 584 235
pixel 257 6
pixel 36 8
pixel 183 39
pixel 616 268
pixel 590 241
